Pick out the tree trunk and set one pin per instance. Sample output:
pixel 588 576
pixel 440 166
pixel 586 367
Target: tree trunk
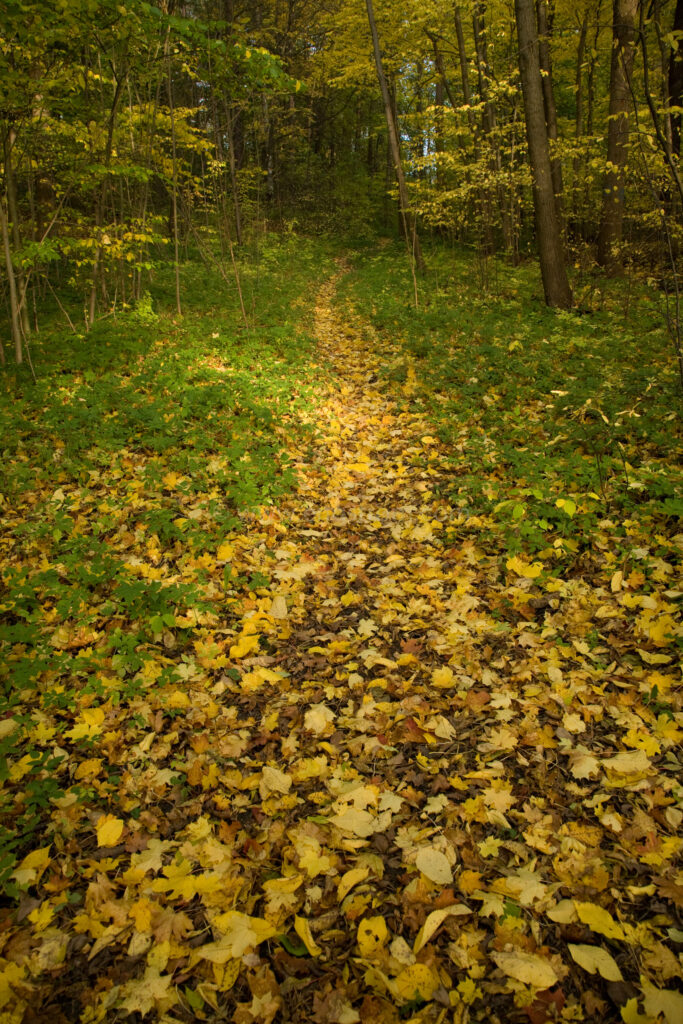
pixel 406 213
pixel 580 55
pixel 676 80
pixel 13 214
pixel 612 217
pixel 489 126
pixel 548 232
pixel 13 298
pixel 544 17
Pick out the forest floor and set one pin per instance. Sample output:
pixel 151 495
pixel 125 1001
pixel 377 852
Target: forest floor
pixel 382 769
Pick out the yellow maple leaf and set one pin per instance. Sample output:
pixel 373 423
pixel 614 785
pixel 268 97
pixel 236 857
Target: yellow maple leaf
pixel 529 571
pixel 245 645
pixel 443 678
pixel 240 932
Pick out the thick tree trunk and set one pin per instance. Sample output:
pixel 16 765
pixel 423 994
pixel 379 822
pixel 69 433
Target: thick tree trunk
pixel 544 16
pixel 407 215
pixel 548 231
pixel 612 217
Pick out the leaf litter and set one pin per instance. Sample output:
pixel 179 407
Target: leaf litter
pixel 399 777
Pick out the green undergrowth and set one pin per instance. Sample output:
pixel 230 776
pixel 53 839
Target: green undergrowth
pixel 139 448
pixel 563 426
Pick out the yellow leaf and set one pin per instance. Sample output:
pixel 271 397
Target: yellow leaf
pixel 599 920
pixel 564 912
pixel 593 959
pixel 663 1001
pixel 435 865
pixel 522 568
pixel 225 552
pixel 529 968
pixel 11 974
pixel 349 879
pixel 32 866
pixel 434 922
pixel 280 886
pixel 178 699
pixel 303 929
pixel 490 846
pixel 318 718
pixel 630 1015
pixel 42 916
pixel 274 781
pixel 240 932
pixel 109 830
pixel 89 768
pixel 359 823
pixel 443 678
pixel 348 598
pixel 372 936
pixel 245 645
pixel 7 727
pixel 141 912
pixel 416 982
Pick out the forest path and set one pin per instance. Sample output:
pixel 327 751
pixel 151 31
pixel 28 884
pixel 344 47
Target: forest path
pixel 375 763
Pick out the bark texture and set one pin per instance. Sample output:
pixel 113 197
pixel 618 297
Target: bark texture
pixel 548 229
pixel 612 217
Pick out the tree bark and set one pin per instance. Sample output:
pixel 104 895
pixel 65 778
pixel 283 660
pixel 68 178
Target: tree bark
pixel 407 215
pixel 548 231
pixel 11 280
pixel 676 80
pixel 13 214
pixel 612 216
pixel 544 17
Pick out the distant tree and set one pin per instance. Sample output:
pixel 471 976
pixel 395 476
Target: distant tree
pixel 612 217
pixel 548 229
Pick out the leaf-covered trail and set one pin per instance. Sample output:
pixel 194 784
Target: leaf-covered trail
pixel 399 784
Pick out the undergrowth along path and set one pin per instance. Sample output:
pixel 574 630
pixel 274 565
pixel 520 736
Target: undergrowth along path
pixel 399 782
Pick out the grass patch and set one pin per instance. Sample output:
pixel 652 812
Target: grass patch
pixel 125 467
pixel 558 422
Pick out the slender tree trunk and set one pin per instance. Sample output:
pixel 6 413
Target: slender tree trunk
pixel 13 214
pixel 489 125
pixel 676 80
pixel 11 280
pixel 102 199
pixel 580 56
pixel 612 217
pixel 174 157
pixel 544 16
pixel 464 69
pixel 233 175
pixel 407 215
pixel 548 231
pixel 442 81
